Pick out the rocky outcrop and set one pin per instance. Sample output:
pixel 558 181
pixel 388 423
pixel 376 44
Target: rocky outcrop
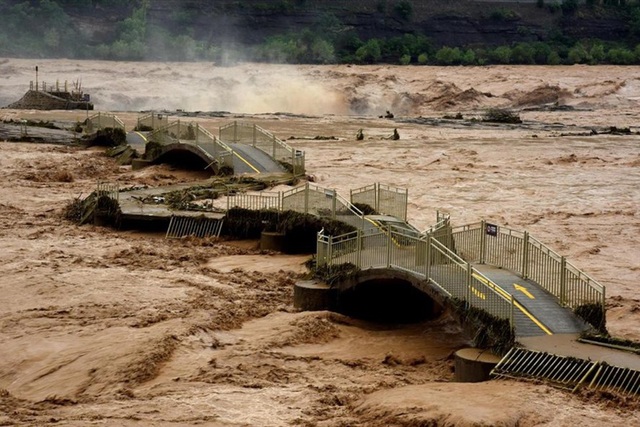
pixel 451 23
pixel 39 100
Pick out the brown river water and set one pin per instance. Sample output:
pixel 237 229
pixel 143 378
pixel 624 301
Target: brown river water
pixel 106 327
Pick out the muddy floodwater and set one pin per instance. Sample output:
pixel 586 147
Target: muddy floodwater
pixel 107 327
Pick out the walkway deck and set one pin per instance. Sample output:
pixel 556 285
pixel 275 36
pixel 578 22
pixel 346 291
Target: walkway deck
pixel 248 159
pixel 538 311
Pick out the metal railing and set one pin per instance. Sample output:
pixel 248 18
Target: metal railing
pixel 101 121
pixel 423 256
pixel 254 135
pixel 108 189
pixel 152 121
pixel 309 198
pixel 568 372
pixel 255 201
pixel 194 134
pixel 182 226
pixel 517 251
pixel 385 199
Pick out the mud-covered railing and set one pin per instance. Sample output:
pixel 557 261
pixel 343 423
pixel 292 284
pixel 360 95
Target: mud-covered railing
pixel 152 121
pixel 519 252
pixel 422 256
pixel 385 199
pixel 309 199
pixel 255 201
pixel 108 189
pixel 101 121
pixel 254 135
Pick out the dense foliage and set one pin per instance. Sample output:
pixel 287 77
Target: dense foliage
pixel 54 28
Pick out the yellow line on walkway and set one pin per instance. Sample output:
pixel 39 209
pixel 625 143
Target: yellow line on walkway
pixel 517 304
pixel 478 293
pixel 142 136
pixel 245 160
pixel 383 229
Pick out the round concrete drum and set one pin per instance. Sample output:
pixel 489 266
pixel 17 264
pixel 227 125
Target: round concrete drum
pixel 310 295
pixel 474 365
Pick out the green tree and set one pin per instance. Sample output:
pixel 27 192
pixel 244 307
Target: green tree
pixel 523 53
pixel 621 56
pixel 554 58
pixel 405 60
pixel 404 9
pixel 578 54
pixel 370 52
pixel 423 58
pixel 468 57
pixel 322 51
pixel 597 53
pixel 52 38
pixel 541 52
pixel 501 55
pixel 449 56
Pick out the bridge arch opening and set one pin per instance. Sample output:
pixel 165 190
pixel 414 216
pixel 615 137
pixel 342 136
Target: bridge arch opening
pixel 185 160
pixel 387 301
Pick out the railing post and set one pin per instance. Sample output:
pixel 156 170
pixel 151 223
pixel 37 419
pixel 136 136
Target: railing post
pixel 468 285
pixel 483 239
pixel 525 256
pixel 376 195
pixel 388 246
pixel 359 243
pixel 511 319
pixel 428 260
pixel 333 204
pixel 306 198
pixel 406 202
pixel 563 281
pixel 330 252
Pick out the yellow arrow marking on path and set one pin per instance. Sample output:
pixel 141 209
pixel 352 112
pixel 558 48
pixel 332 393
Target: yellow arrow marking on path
pixel 523 290
pixel 516 303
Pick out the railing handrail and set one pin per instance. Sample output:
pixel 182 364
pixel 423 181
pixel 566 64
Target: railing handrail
pixel 363 189
pixel 357 212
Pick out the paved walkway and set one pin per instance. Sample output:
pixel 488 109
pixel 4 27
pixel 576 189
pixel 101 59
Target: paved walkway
pixel 537 311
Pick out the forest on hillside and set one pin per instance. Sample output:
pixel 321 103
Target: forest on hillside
pixel 303 31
